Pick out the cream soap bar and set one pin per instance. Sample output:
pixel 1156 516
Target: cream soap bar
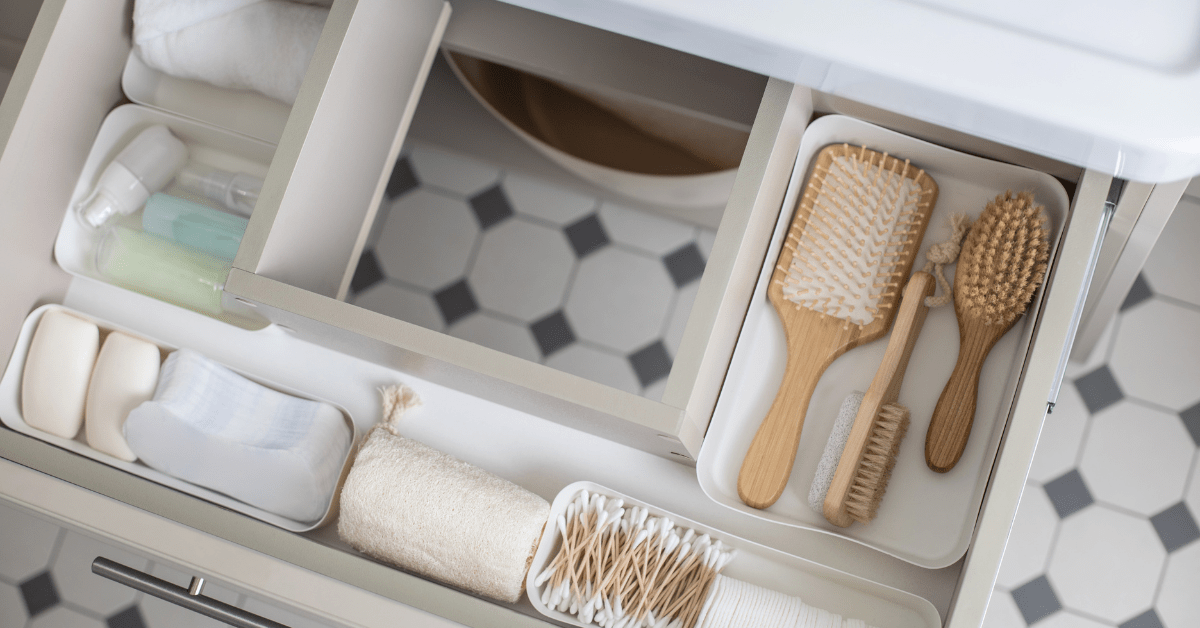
pixel 125 376
pixel 55 382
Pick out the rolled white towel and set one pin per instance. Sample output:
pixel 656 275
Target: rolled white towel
pixel 263 45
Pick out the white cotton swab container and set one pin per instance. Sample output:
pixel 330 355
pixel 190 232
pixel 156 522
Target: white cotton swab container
pixel 818 585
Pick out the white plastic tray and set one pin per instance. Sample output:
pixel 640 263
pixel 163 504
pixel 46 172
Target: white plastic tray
pixel 926 518
pixel 244 111
pixel 10 414
pixel 819 586
pixel 75 246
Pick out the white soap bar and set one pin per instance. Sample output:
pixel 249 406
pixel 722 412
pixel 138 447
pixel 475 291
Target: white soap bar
pixel 125 376
pixel 212 427
pixel 57 369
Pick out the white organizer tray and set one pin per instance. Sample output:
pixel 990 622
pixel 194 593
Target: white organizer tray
pixel 926 518
pixel 75 246
pixel 817 585
pixel 10 414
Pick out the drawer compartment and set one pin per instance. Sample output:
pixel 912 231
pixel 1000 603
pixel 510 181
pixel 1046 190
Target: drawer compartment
pixel 516 418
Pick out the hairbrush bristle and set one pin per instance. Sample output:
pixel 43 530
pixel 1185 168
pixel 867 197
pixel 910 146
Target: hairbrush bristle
pixel 849 254
pixel 1003 260
pixel 876 464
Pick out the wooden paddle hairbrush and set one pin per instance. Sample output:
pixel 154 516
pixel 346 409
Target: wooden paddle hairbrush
pixel 850 247
pixel 1003 262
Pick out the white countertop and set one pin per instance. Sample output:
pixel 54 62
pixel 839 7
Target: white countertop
pixel 1101 84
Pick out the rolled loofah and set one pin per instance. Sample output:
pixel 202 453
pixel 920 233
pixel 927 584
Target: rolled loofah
pixel 429 513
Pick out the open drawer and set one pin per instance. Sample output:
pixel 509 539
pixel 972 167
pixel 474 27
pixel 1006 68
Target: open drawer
pixel 521 420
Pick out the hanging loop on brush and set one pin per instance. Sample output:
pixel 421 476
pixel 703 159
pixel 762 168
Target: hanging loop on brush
pixel 943 254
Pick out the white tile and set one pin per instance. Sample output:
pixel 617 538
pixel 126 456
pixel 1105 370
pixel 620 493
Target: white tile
pixel 1193 493
pixel 1067 619
pixel 25 543
pixel 62 617
pixel 1002 612
pixel 451 171
pixel 1137 458
pixel 284 616
pixel 535 197
pixel 76 583
pixel 162 614
pixel 491 332
pixel 427 239
pixel 1106 563
pixel 1157 353
pixel 1029 541
pixel 1176 250
pixel 679 317
pixel 1178 604
pixel 619 299
pixel 522 269
pixel 12 607
pixel 588 363
pixel 705 240
pixel 402 303
pixel 654 392
pixel 1099 354
pixel 640 229
pixel 1062 434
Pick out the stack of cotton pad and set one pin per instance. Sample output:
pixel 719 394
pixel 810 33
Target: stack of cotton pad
pixel 212 427
pixel 736 603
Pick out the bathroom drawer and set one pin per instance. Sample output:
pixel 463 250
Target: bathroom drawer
pixel 296 260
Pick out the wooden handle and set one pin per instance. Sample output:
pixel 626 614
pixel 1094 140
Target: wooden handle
pixel 885 388
pixel 768 463
pixel 955 412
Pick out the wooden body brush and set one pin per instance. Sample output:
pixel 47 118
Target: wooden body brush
pixel 855 235
pixel 870 451
pixel 1003 261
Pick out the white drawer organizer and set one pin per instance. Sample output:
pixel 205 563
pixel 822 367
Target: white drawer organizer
pixel 535 426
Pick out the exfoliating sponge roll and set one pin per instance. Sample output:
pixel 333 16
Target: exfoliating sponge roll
pixel 125 376
pixel 434 515
pixel 214 428
pixel 57 371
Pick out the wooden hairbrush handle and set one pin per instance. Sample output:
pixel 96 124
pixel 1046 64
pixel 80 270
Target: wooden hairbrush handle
pixel 955 412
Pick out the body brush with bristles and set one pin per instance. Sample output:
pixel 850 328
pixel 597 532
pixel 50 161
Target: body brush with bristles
pixel 851 245
pixel 1002 263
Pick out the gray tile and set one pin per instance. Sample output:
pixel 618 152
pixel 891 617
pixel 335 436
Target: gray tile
pixel 367 274
pixel 1148 619
pixel 552 333
pixel 491 207
pixel 685 264
pixel 403 179
pixel 1191 420
pixel 1099 389
pixel 651 363
pixel 455 301
pixel 39 593
pixel 1068 493
pixel 586 235
pixel 128 618
pixel 1139 292
pixel 1036 600
pixel 1176 527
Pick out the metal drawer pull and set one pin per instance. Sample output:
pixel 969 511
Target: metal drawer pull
pixel 189 598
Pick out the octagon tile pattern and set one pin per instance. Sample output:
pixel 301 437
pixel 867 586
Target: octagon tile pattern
pixel 1119 462
pixel 518 265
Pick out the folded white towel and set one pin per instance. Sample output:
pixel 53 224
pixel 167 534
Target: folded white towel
pixel 263 45
pixel 212 427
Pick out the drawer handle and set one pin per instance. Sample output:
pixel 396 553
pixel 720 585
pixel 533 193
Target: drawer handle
pixel 180 596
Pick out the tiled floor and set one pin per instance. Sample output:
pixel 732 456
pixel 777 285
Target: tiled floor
pixel 543 273
pixel 46 582
pixel 1106 534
